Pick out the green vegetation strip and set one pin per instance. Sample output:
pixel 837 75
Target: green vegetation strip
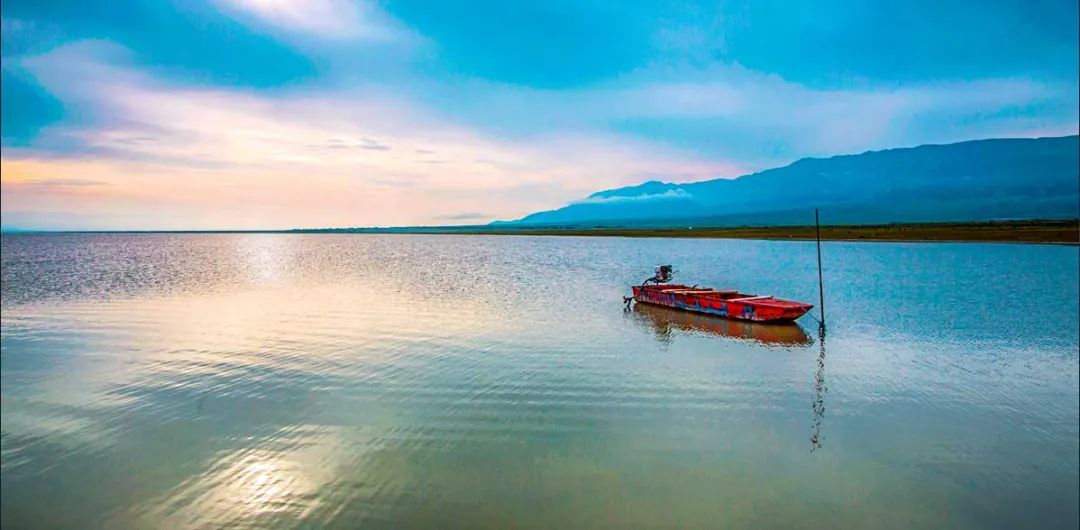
pixel 1066 232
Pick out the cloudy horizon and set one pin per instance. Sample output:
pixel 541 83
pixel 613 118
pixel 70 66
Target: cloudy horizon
pixel 266 114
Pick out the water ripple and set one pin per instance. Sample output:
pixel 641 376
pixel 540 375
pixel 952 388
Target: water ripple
pixel 283 381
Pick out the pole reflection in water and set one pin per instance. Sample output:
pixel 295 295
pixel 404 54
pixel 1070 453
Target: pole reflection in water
pixel 665 322
pixel 820 389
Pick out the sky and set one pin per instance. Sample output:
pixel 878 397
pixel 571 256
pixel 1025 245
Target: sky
pixel 271 114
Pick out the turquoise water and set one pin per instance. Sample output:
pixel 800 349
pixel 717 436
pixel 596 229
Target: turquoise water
pixel 382 381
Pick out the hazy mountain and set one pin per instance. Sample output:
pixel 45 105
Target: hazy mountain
pixel 982 179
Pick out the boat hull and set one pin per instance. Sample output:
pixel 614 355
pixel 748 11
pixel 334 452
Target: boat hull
pixel 733 306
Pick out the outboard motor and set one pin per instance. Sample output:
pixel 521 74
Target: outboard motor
pixel 663 274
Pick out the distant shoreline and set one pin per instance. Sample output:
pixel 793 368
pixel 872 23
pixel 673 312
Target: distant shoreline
pixel 1063 232
pixel 1066 232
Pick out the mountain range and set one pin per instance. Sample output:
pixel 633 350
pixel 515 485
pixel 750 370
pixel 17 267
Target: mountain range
pixel 1008 178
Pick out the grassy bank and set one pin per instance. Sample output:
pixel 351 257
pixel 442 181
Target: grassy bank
pixel 1065 232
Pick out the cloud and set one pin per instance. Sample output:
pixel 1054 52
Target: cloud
pixel 362 143
pixel 374 154
pixel 728 111
pixel 300 158
pixel 63 182
pixel 323 19
pixel 677 193
pixel 468 216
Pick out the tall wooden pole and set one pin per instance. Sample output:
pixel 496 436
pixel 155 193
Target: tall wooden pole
pixel 821 288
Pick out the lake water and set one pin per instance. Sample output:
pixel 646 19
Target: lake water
pixel 385 381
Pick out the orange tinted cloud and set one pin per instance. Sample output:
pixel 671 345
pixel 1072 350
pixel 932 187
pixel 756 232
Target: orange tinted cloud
pixel 173 157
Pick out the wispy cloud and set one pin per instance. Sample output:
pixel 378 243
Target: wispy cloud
pixel 362 143
pixel 63 182
pixel 324 19
pixel 677 193
pixel 310 158
pixel 468 216
pixel 730 111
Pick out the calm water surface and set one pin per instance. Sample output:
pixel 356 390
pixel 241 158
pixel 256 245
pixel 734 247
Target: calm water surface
pixel 209 381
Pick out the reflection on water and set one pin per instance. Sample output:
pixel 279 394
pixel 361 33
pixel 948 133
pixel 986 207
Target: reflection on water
pixel 666 321
pixel 820 389
pixel 342 381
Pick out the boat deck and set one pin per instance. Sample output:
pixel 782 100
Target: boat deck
pixel 728 303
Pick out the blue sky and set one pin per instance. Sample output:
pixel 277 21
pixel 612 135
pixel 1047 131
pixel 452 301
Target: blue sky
pixel 275 114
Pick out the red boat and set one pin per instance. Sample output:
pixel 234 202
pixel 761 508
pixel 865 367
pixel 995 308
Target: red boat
pixel 722 303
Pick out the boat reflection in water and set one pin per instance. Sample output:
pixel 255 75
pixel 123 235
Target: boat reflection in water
pixel 666 321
